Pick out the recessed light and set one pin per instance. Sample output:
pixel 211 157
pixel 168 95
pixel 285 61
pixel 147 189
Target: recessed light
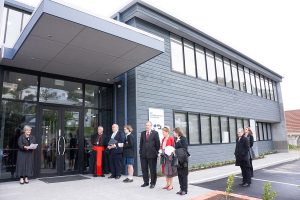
pixel 108 79
pixel 32 58
pixel 49 36
pixel 19 79
pixel 106 73
pixel 78 88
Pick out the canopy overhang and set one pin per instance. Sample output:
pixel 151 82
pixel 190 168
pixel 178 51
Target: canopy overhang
pixel 62 40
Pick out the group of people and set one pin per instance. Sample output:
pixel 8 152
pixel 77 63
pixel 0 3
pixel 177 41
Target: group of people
pixel 244 154
pixel 173 153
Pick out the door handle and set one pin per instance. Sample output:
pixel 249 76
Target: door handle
pixel 58 149
pixel 64 145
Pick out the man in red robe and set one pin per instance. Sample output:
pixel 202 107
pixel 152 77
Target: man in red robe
pixel 98 140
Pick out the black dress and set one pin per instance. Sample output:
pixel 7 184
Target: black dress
pixel 25 157
pixel 242 155
pixel 182 168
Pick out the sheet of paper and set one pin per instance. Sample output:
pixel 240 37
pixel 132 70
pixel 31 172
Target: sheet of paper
pixel 33 146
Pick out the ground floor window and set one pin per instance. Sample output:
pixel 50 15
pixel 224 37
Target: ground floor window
pixel 263 131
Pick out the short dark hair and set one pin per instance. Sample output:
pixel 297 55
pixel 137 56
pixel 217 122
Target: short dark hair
pixel 178 131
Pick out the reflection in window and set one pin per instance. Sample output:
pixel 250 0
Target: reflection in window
pixel 239 123
pixel 211 66
pixel 228 76
pixel 265 131
pixel 246 123
pixel 189 58
pixel 242 78
pixel 235 76
pixel 201 64
pixel 180 121
pixel 13 27
pixel 248 81
pixel 215 128
pixel 232 129
pixel 13 118
pixel 267 88
pixel 25 21
pixel 60 91
pixel 260 130
pixel 205 129
pixel 224 129
pixel 258 84
pixel 275 91
pixel 271 90
pixel 92 95
pixel 194 136
pixel 19 86
pixel 263 88
pixel 176 54
pixel 220 70
pixel 4 16
pixel 269 131
pixel 253 83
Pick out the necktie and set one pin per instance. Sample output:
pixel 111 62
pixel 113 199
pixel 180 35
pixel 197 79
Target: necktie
pixel 147 135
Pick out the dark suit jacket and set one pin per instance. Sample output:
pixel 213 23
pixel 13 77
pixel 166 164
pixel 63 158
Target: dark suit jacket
pixel 94 140
pixel 120 137
pixel 241 153
pixel 150 148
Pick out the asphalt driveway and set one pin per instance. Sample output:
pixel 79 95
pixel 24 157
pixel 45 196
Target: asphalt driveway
pixel 285 180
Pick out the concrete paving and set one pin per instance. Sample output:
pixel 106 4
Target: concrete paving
pixel 104 188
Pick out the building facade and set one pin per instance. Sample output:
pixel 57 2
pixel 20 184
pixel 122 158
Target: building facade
pixel 141 65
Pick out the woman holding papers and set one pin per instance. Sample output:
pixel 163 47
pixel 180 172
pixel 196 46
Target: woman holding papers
pixel 26 143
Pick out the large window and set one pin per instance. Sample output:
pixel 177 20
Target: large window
pixel 228 76
pixel 189 58
pixel 232 129
pixel 235 77
pixel 177 54
pixel 19 86
pixel 248 80
pixel 258 84
pixel 242 78
pixel 260 131
pixel 275 91
pixel 267 88
pixel 215 128
pixel 271 90
pixel 239 123
pixel 180 121
pixel 253 83
pixel 263 88
pixel 201 63
pixel 60 91
pixel 264 131
pixel 220 70
pixel 224 129
pixel 211 66
pixel 194 136
pixel 205 129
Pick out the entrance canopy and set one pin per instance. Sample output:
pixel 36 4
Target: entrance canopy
pixel 62 40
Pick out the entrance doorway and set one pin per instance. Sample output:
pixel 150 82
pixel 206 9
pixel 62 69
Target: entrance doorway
pixel 59 137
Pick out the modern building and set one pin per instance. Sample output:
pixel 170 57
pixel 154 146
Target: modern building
pixel 292 119
pixel 64 72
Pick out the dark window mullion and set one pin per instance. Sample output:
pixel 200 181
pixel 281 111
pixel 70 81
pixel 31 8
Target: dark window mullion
pixel 204 49
pixel 182 45
pixel 216 73
pixel 225 83
pixel 245 82
pixel 187 127
pixel 200 133
pixel 220 129
pixel 210 129
pixel 195 60
pixel 231 73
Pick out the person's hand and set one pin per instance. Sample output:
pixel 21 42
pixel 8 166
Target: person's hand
pixel 26 147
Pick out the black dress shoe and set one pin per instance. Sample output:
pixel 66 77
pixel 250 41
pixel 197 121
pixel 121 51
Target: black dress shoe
pixel 183 193
pixel 102 175
pixel 145 185
pixel 246 185
pixel 117 177
pixel 111 176
pixel 125 180
pixel 152 186
pixel 241 184
pixel 179 192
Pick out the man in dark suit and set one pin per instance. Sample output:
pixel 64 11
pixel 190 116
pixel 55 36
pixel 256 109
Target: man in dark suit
pixel 149 147
pixel 115 152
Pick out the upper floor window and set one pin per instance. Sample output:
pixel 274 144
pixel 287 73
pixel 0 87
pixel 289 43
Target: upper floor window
pixel 220 69
pixel 177 53
pixel 201 63
pixel 242 78
pixel 228 76
pixel 247 80
pixel 189 58
pixel 235 76
pixel 211 66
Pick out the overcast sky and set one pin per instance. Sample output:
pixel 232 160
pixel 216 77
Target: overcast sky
pixel 267 31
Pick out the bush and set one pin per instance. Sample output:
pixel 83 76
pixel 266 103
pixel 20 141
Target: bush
pixel 230 182
pixel 268 193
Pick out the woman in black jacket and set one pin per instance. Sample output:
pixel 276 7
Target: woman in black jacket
pixel 24 167
pixel 128 153
pixel 242 156
pixel 181 147
pixel 249 135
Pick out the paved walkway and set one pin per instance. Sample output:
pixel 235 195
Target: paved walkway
pixel 104 188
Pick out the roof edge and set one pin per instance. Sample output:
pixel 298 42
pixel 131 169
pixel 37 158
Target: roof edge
pixel 19 5
pixel 214 40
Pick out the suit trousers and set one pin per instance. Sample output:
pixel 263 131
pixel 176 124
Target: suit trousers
pixel 151 163
pixel 251 168
pixel 246 173
pixel 115 162
pixel 183 178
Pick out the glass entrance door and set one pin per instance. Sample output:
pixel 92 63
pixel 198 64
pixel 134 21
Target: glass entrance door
pixel 59 139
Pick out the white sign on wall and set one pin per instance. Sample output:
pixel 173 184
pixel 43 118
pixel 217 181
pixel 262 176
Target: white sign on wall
pixel 157 117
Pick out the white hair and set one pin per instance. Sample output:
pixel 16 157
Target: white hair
pixel 240 130
pixel 27 127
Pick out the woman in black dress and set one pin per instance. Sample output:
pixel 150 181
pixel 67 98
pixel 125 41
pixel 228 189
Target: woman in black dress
pixel 242 156
pixel 25 155
pixel 181 151
pixel 249 135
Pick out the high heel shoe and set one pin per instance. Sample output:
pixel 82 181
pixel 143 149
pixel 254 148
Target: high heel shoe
pixel 170 188
pixel 166 187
